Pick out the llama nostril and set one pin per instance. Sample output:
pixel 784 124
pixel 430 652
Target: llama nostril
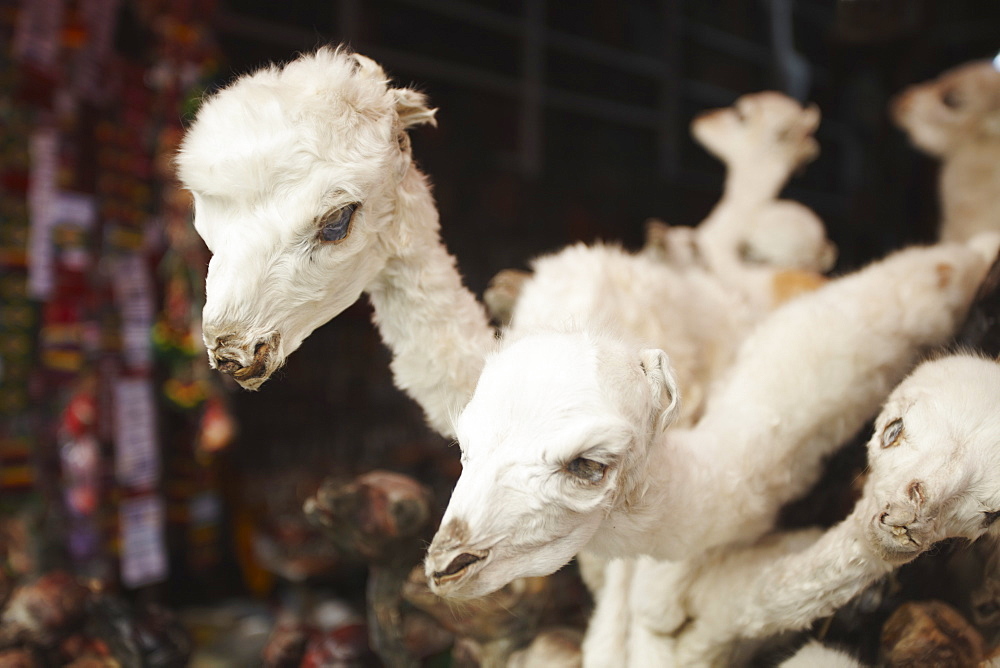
pixel 457 565
pixel 881 518
pixel 916 492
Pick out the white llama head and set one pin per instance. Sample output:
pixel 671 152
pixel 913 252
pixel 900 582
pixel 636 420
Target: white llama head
pixel 960 106
pixel 760 126
pixel 935 457
pixel 556 435
pixel 292 170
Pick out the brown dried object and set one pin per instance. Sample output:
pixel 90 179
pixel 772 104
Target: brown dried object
pixel 40 611
pixel 6 584
pixel 552 648
pixel 343 647
pixel 930 633
pixel 379 516
pixel 488 629
pixel 80 647
pixel 18 658
pixel 94 661
pixel 286 645
pixel 383 518
pixel 424 636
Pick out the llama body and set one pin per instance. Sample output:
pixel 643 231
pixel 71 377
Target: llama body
pixel 750 234
pixel 935 474
pixel 319 139
pixel 956 118
pixel 762 139
pixel 566 430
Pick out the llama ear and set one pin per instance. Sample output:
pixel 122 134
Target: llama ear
pixel 411 106
pixel 991 124
pixel 366 67
pixel 810 118
pixel 662 384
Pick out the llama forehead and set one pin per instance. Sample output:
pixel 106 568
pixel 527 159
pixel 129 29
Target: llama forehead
pixel 317 112
pixel 543 394
pixel 287 216
pixel 980 79
pixel 776 109
pixel 977 85
pixel 948 408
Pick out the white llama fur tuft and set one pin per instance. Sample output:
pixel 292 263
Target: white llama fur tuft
pixel 956 118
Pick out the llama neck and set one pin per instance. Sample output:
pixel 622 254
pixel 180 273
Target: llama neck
pixel 798 588
pixel 968 185
pixel 436 330
pixel 754 182
pixel 748 188
pixel 663 521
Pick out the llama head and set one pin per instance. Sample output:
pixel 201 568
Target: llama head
pixel 960 107
pixel 935 458
pixel 555 438
pixel 789 235
pixel 293 171
pixel 760 127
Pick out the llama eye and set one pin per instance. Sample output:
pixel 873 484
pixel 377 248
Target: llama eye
pixel 891 433
pixel 587 469
pixel 987 610
pixel 749 254
pixel 951 99
pixel 337 226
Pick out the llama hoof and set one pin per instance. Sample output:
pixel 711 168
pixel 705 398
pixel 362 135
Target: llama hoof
pixel 930 633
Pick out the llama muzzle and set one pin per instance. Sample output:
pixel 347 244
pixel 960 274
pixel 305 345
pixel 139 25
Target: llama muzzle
pixel 244 363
